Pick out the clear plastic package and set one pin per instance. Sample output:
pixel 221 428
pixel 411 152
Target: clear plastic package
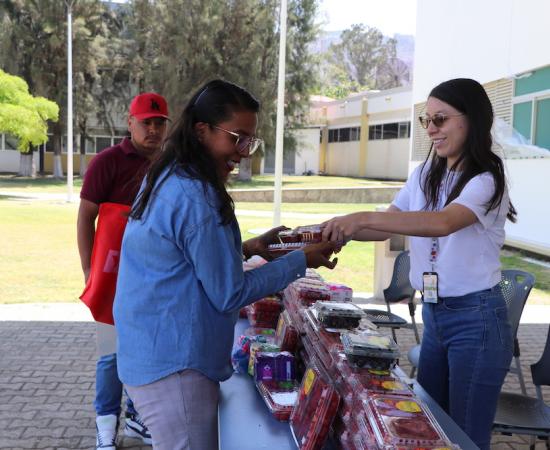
pixel 260 334
pixel 265 312
pixel 338 314
pixel 258 347
pixel 399 421
pixel 280 397
pixel 371 350
pixel 286 335
pixel 339 292
pixel 304 234
pixel 364 381
pixel 277 366
pixel 314 411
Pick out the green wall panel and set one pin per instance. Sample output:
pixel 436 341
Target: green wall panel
pixel 542 134
pixel 539 81
pixel 522 119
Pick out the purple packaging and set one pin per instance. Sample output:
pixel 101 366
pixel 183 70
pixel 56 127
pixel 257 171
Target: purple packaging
pixel 274 366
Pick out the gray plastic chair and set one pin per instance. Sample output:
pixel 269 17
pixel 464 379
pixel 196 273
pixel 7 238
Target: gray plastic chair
pixel 516 286
pixel 520 414
pixel 399 289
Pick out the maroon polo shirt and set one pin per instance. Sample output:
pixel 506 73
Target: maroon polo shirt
pixel 115 175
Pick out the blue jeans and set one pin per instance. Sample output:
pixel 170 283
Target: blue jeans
pixel 465 355
pixel 108 388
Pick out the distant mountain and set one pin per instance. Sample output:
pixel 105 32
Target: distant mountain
pixel 404 47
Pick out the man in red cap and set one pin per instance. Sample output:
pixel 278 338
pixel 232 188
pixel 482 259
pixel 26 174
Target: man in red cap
pixel 114 176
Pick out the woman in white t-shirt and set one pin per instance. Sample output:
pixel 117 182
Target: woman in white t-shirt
pixel 454 207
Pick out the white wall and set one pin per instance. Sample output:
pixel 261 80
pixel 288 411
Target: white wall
pixel 307 150
pixel 9 160
pixel 529 193
pixel 486 40
pixel 388 159
pixel 343 159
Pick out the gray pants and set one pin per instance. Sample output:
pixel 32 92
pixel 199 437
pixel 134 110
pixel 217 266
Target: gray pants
pixel 181 411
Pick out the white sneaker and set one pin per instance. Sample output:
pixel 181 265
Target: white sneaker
pixel 106 429
pixel 135 428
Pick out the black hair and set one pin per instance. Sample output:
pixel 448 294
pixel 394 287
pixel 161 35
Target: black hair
pixel 213 103
pixel 468 97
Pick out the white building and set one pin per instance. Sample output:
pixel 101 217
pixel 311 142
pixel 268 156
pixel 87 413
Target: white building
pixel 504 45
pixel 364 135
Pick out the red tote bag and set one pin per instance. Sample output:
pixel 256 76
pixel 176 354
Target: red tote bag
pixel 99 292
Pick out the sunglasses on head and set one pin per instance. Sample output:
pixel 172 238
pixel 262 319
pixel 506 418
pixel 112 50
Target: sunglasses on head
pixel 437 119
pixel 246 145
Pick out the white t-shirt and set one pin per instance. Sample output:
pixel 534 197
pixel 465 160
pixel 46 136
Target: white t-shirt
pixel 468 260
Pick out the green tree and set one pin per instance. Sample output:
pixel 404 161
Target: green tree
pixel 24 117
pixel 35 47
pixel 237 40
pixel 363 59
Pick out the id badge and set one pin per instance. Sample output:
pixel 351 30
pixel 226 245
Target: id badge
pixel 429 284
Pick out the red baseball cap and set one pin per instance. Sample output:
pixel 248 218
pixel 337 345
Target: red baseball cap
pixel 147 105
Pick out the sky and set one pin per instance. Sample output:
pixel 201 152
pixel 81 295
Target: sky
pixel 389 16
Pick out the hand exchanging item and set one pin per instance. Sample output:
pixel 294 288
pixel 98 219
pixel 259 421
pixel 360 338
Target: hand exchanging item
pixel 318 255
pixel 341 229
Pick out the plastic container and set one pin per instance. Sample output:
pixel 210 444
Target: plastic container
pixel 265 312
pixel 363 381
pixel 314 411
pixel 286 335
pixel 371 350
pixel 304 234
pixel 339 292
pixel 338 315
pixel 279 366
pixel 258 347
pixel 260 334
pixel 309 291
pixel 399 421
pixel 280 397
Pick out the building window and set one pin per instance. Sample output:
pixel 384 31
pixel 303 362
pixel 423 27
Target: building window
pixel 389 131
pixel 395 130
pixel 10 142
pixel 404 130
pixel 531 113
pixel 375 132
pixel 102 142
pixel 344 135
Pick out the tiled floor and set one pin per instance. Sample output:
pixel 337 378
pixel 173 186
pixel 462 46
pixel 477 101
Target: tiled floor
pixel 47 384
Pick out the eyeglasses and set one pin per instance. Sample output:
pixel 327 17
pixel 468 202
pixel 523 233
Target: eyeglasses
pixel 437 119
pixel 246 145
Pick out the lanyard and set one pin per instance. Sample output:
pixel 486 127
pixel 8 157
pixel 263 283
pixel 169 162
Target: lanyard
pixel 433 252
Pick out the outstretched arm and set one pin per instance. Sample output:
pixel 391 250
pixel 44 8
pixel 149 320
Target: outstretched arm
pixel 452 218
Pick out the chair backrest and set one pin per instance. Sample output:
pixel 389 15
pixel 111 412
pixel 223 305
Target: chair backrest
pixel 515 286
pixel 400 285
pixel 540 371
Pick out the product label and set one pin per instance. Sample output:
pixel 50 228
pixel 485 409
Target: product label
pixel 309 379
pixel 408 406
pixel 392 385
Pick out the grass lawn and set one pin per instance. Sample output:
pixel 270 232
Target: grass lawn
pixel 48 184
pixel 314 181
pixel 39 258
pixel 309 208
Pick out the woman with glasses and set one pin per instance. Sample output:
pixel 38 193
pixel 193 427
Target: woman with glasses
pixel 454 207
pixel 181 281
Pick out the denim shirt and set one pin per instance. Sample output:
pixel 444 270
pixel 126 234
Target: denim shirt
pixel 181 284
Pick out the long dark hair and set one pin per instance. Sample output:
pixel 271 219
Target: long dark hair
pixel 213 103
pixel 468 97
